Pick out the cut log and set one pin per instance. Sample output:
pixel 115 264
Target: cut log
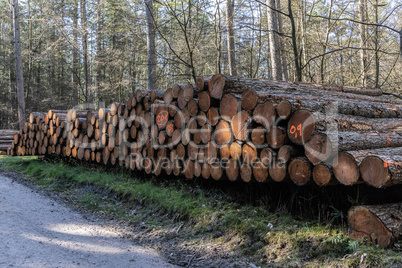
pixel 301 126
pixel 347 106
pixel 8 132
pixel 206 170
pixel 284 110
pixel 380 167
pixel 211 152
pixel 246 173
pixel 239 125
pixel 264 114
pixel 361 140
pixel 258 135
pixel 176 89
pixel 188 92
pixel 276 137
pixel 197 169
pixel 222 133
pixel 300 170
pixel 249 153
pixel 34 117
pixel 216 171
pixel 278 171
pixel 202 82
pixel 267 156
pixel 260 171
pixel 229 106
pixel 192 150
pixel 235 150
pixel 319 148
pixel 205 134
pixel 345 168
pixel 9 137
pixel 224 152
pixel 249 99
pixel 323 175
pixel 167 96
pixel 221 83
pixel 232 169
pixel 204 101
pixel 192 106
pixel 286 152
pixel 188 169
pixel 380 224
pixel 213 116
pixel 201 118
pixel 192 125
pixel 355 123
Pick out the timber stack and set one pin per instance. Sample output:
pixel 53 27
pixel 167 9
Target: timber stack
pixel 234 128
pixel 227 127
pixel 6 139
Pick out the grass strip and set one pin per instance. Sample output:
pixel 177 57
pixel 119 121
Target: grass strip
pixel 248 230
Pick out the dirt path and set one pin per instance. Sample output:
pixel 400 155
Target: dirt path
pixel 36 231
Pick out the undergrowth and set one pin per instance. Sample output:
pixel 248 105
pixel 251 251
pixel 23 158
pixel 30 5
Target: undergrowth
pixel 268 237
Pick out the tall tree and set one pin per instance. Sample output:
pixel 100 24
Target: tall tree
pixel 285 76
pixel 273 40
pixel 230 33
pixel 18 64
pixel 99 51
pixel 363 40
pixel 74 73
pixel 85 49
pixel 149 9
pixel 294 43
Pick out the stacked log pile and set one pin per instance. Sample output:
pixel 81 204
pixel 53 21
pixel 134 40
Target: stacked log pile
pixel 235 128
pixel 226 127
pixel 6 139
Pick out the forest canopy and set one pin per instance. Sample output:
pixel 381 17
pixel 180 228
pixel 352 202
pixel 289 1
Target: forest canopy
pixel 97 51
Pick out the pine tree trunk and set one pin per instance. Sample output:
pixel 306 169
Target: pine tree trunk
pixel 363 41
pixel 18 65
pixel 149 11
pixel 230 37
pixel 74 74
pixel 273 41
pixel 99 51
pixel 84 31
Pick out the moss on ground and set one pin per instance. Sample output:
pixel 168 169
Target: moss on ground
pixel 209 216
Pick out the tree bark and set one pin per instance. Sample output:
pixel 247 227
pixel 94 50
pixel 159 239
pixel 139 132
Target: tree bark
pixel 282 55
pixel 84 31
pixel 380 224
pixel 380 167
pixel 294 43
pixel 149 11
pixel 74 73
pixel 99 52
pixel 230 37
pixel 18 64
pixel 273 41
pixel 363 40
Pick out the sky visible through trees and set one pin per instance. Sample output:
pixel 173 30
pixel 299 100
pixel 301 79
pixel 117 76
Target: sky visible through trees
pixel 96 51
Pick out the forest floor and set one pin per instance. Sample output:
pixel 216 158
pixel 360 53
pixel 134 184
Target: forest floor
pixel 210 224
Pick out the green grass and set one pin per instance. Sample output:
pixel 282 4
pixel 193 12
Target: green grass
pixel 247 230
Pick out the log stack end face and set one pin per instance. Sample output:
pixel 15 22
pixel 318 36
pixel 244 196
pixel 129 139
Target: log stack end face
pixel 301 126
pixel 216 86
pixel 345 168
pixel 366 226
pixel 260 134
pixel 374 171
